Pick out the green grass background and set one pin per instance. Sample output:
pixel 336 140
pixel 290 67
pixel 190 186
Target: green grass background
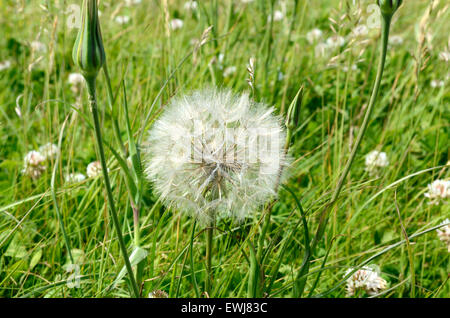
pixel 410 123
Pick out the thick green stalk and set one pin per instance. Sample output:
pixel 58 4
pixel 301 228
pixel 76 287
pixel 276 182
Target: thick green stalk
pixel 112 207
pixel 386 22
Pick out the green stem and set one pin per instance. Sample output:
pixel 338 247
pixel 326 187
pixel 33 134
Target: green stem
pixel 209 243
pixel 323 217
pixel 112 207
pixel 111 101
pixel 111 109
pixel 254 273
pixel 55 202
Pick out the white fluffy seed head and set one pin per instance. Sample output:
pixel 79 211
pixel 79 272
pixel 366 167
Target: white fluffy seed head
pixel 215 154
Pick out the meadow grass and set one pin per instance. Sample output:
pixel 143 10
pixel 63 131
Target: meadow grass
pixel 410 122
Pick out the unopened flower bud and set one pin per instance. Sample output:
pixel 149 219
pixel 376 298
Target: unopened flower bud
pixel 388 7
pixel 88 52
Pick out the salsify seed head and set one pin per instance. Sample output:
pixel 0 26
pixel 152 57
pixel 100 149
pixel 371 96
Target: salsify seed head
pixel 215 154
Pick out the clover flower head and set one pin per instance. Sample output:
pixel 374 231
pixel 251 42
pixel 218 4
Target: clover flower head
pixel 396 40
pixel 75 177
pixel 34 164
pixel 376 160
pixel 94 169
pixel 277 16
pixel 215 154
pixel 444 233
pixel 230 70
pixel 437 83
pixel 76 80
pixel 314 35
pixel 5 65
pixel 122 19
pixel 130 3
pixel 38 47
pixel 438 190
pixel 365 279
pixel 176 24
pixel 49 151
pixel 158 294
pixel 335 41
pixel 191 5
pixel 360 30
pixel 444 56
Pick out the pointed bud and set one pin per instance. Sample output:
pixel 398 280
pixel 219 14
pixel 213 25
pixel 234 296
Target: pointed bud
pixel 293 113
pixel 388 7
pixel 88 52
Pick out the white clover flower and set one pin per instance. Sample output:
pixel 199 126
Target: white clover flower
pixel 437 84
pixel 321 49
pixel 190 5
pixel 335 41
pixel 158 294
pixel 395 40
pixel 360 30
pixel 130 3
pixel 176 24
pixel 444 56
pixel 354 68
pixel 122 19
pixel 49 151
pixel 93 169
pixel 75 177
pixel 38 47
pixel 34 164
pixel 215 154
pixel 314 35
pixel 5 65
pixel 76 80
pixel 230 70
pixel 376 160
pixel 438 190
pixel 444 233
pixel 365 279
pixel 277 16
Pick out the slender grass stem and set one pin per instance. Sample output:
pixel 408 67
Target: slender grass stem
pixel 55 201
pixel 112 207
pixel 111 101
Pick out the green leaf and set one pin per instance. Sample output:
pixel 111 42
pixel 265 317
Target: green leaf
pixel 35 258
pixel 136 257
pixel 16 249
